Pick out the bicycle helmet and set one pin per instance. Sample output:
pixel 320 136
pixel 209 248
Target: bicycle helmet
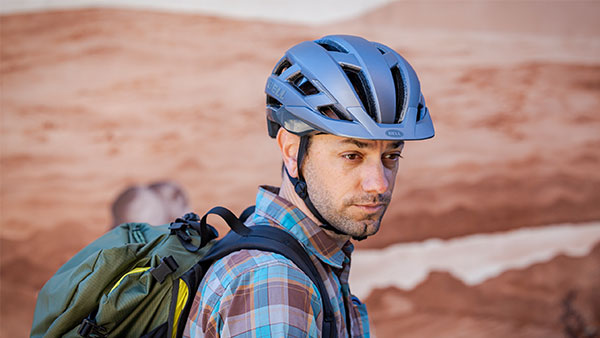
pixel 346 86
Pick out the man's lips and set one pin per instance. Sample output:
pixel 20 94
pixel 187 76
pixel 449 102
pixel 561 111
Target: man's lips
pixel 371 207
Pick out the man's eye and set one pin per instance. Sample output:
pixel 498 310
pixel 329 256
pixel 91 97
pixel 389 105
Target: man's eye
pixel 351 156
pixel 393 156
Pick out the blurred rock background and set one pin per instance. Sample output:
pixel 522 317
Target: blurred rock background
pixel 96 99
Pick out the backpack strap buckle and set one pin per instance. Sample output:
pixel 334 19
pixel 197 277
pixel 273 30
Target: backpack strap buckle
pixel 181 228
pixel 89 328
pixel 167 266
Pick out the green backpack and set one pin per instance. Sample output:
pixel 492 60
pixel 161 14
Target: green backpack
pixel 124 283
pixel 140 280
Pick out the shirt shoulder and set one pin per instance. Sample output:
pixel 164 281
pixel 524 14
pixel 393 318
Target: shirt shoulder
pixel 256 292
pixel 259 265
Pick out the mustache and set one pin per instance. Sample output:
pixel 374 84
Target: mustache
pixel 370 199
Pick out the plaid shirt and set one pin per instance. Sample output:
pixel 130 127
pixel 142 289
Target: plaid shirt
pixel 252 293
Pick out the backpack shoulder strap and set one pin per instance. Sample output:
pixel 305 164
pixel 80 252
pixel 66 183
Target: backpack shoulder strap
pixel 270 239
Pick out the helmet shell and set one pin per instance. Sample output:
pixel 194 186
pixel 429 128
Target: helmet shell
pixel 347 86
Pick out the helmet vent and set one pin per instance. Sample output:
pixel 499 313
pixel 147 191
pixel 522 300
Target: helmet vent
pixel 362 90
pixel 303 85
pixel 282 66
pixel 273 102
pixel 331 46
pixel 420 113
pixel 333 113
pixel 381 50
pixel 400 94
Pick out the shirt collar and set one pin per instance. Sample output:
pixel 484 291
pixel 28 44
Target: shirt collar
pixel 271 206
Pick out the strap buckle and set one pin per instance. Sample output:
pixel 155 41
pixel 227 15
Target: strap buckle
pixel 167 266
pixel 89 328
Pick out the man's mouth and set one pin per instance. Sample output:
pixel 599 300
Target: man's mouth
pixel 371 207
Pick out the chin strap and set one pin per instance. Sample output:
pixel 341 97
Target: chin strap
pixel 302 191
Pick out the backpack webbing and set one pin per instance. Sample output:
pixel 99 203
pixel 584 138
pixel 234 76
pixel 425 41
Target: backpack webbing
pixel 270 239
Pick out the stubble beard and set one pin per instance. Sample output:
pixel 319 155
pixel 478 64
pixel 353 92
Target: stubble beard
pixel 367 225
pixel 342 218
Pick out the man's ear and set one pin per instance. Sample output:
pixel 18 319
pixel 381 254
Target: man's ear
pixel 288 145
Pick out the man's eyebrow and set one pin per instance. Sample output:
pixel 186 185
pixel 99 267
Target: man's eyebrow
pixel 361 144
pixel 396 144
pixel 356 142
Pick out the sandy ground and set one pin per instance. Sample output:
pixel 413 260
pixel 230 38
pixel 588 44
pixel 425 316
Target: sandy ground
pixel 95 100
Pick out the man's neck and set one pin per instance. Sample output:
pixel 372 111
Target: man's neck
pixel 288 192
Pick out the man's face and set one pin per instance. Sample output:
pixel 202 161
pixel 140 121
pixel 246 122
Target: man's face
pixel 350 181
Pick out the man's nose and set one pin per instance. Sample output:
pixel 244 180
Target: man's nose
pixel 374 178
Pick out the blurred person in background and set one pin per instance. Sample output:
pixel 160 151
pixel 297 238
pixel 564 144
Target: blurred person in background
pixel 158 203
pixel 174 199
pixel 340 109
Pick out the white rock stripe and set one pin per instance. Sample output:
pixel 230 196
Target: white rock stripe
pixel 472 259
pixel 306 11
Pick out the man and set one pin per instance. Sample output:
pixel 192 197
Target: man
pixel 340 109
pixel 157 203
pixel 138 204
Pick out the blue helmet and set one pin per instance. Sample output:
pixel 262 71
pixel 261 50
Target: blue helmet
pixel 347 86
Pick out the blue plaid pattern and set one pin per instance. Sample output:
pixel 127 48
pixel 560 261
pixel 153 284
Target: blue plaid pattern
pixel 252 293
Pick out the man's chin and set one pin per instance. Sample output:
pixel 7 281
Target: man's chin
pixel 372 230
pixel 365 229
pixel 359 225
